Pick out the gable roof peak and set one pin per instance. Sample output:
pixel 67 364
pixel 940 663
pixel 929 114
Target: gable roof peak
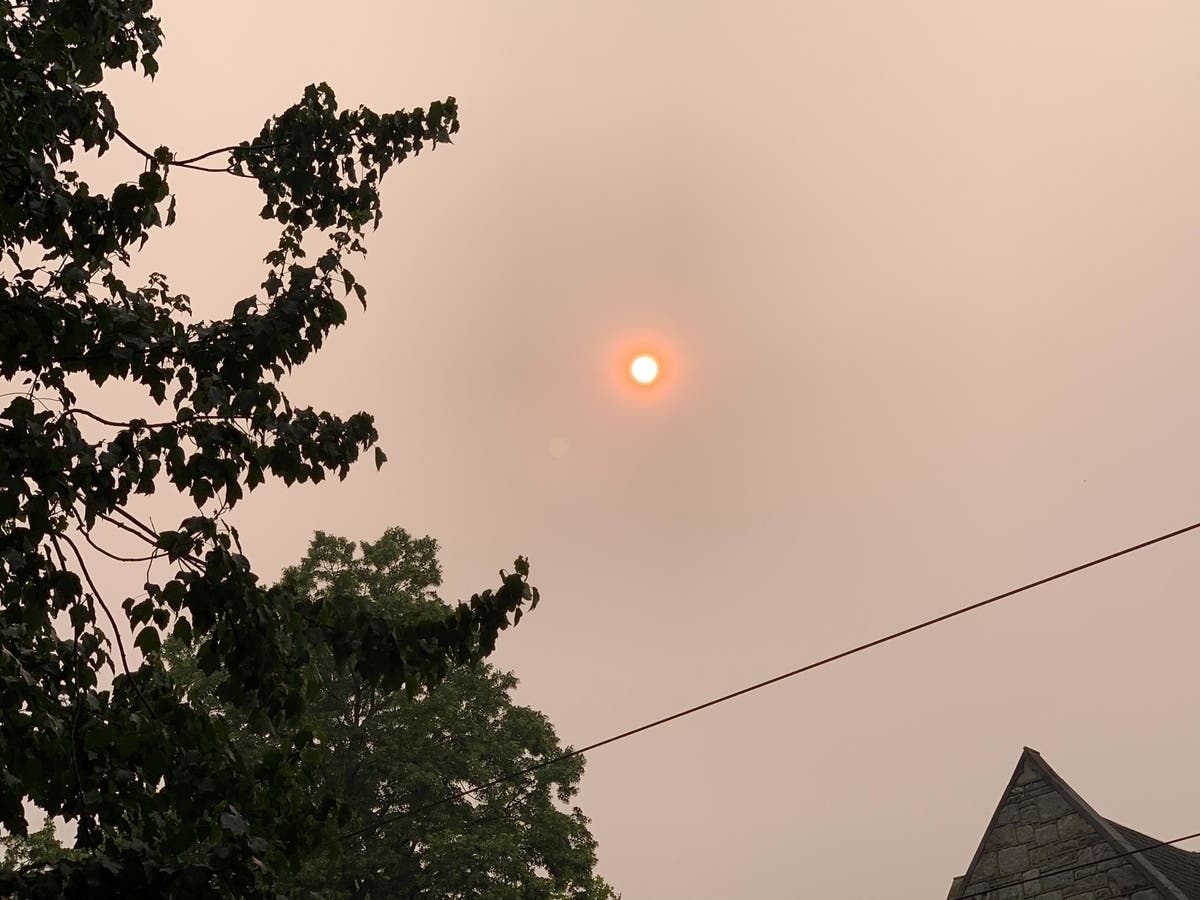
pixel 1032 768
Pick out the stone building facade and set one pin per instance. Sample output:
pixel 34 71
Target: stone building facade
pixel 1046 843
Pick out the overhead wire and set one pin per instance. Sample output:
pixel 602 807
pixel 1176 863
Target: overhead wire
pixel 861 648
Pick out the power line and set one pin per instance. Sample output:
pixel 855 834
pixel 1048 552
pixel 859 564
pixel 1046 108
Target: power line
pixel 1029 878
pixel 928 623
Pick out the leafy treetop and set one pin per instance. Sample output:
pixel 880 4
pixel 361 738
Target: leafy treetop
pixel 397 761
pixel 163 802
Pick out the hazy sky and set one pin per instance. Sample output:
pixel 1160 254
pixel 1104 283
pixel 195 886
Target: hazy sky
pixel 924 275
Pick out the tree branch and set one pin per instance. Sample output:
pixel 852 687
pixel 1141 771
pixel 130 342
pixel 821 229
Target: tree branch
pixel 111 521
pixel 96 594
pixel 149 536
pixel 80 793
pixel 119 133
pixel 200 417
pixel 193 159
pixel 113 556
pixel 190 162
pixel 149 532
pixel 111 619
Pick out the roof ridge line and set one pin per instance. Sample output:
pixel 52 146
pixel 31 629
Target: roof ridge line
pixel 1103 826
pixel 958 887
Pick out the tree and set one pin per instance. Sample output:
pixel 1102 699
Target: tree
pixel 390 755
pixel 162 801
pixel 41 847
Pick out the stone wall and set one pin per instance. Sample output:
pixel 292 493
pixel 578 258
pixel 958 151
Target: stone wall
pixel 1038 838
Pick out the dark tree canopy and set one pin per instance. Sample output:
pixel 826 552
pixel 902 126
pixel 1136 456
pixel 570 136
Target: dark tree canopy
pixel 163 802
pixel 388 754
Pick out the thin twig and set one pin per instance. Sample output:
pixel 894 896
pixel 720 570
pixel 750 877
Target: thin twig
pixel 119 133
pixel 83 813
pixel 111 521
pixel 193 159
pixel 150 565
pixel 136 521
pixel 111 619
pixel 113 556
pixel 37 397
pixel 199 417
pixel 151 538
pixel 190 162
pixel 75 691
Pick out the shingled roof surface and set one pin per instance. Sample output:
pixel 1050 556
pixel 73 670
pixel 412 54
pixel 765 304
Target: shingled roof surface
pixel 1171 872
pixel 1181 867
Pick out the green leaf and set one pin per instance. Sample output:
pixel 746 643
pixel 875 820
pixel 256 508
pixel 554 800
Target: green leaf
pixel 183 631
pixel 140 612
pixel 148 640
pixel 233 822
pixel 141 762
pixel 80 616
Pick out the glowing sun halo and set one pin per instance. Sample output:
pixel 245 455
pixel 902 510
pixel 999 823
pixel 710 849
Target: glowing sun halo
pixel 644 369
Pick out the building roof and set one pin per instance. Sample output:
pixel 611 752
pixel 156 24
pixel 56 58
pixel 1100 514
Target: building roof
pixel 1173 872
pixel 1180 867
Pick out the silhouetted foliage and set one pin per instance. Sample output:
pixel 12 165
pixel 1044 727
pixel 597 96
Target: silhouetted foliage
pixel 162 801
pixel 393 759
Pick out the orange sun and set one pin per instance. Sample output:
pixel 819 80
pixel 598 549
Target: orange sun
pixel 644 369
